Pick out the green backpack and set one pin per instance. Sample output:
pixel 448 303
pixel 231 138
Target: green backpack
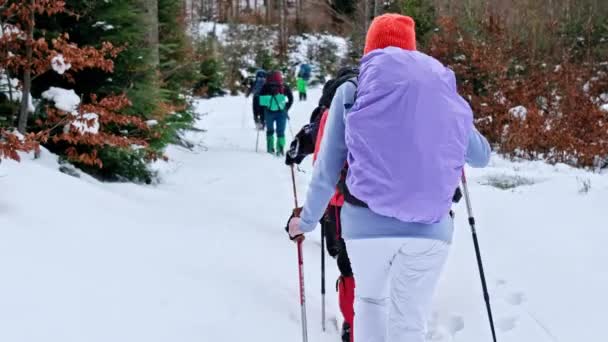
pixel 274 103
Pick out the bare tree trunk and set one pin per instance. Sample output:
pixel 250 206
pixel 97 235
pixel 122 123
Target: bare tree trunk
pixel 376 11
pixel 268 4
pixel 285 11
pixel 366 13
pixel 281 29
pixel 27 74
pixel 298 14
pixel 204 6
pixel 10 96
pixel 151 21
pixel 218 10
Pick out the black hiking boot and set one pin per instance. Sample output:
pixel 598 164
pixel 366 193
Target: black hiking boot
pixel 345 332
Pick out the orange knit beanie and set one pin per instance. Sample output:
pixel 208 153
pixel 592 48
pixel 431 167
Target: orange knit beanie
pixel 391 30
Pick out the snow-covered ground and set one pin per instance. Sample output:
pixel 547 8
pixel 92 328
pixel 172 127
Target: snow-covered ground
pixel 203 256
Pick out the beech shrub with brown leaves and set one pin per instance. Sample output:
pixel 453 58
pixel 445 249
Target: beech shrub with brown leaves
pixel 11 143
pixel 70 134
pixel 527 107
pixel 82 145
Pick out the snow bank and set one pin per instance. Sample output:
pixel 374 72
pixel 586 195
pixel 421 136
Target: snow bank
pixel 207 27
pixel 152 123
pixel 14 90
pixel 65 100
pixel 87 123
pixel 104 26
pixel 519 112
pixel 8 29
pixel 59 64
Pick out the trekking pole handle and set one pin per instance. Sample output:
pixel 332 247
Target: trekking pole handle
pixel 467 198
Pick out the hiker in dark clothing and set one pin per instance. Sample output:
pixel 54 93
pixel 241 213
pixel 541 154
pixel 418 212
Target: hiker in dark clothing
pixel 276 98
pixel 255 87
pixel 308 141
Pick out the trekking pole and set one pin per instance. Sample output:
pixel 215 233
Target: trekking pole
pixel 293 182
pixel 299 240
pixel 302 292
pixel 257 140
pixel 484 285
pixel 290 128
pixel 323 277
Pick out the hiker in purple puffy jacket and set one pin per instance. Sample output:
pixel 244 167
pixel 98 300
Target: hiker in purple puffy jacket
pixel 406 134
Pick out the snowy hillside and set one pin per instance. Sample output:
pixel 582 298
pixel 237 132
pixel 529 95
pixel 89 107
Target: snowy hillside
pixel 303 43
pixel 203 256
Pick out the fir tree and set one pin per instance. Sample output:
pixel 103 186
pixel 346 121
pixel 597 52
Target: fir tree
pixel 177 63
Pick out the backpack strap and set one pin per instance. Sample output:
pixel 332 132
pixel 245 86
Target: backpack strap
pixel 274 98
pixel 342 187
pixel 354 81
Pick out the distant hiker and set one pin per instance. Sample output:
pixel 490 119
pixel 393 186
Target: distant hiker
pixel 308 141
pixel 406 134
pixel 302 89
pixel 255 87
pixel 302 82
pixel 276 99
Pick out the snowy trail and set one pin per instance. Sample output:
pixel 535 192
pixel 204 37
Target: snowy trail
pixel 202 256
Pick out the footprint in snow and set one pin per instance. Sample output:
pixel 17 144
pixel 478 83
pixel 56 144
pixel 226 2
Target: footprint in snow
pixel 444 332
pixel 438 334
pixel 455 324
pixel 515 298
pixel 507 323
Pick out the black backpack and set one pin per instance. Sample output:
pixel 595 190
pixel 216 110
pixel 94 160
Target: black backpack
pixel 304 142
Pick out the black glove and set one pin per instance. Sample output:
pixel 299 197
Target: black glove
pixel 302 145
pixel 457 195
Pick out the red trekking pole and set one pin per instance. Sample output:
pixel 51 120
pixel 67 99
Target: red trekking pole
pixel 299 240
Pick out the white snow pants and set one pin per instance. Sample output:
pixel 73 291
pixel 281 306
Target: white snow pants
pixel 395 280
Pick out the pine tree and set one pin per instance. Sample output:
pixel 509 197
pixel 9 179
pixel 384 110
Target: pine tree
pixel 90 22
pixel 177 62
pixel 425 16
pixel 120 23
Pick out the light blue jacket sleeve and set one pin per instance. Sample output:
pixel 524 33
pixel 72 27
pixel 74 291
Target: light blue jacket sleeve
pixel 330 161
pixel 478 150
pixel 333 153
